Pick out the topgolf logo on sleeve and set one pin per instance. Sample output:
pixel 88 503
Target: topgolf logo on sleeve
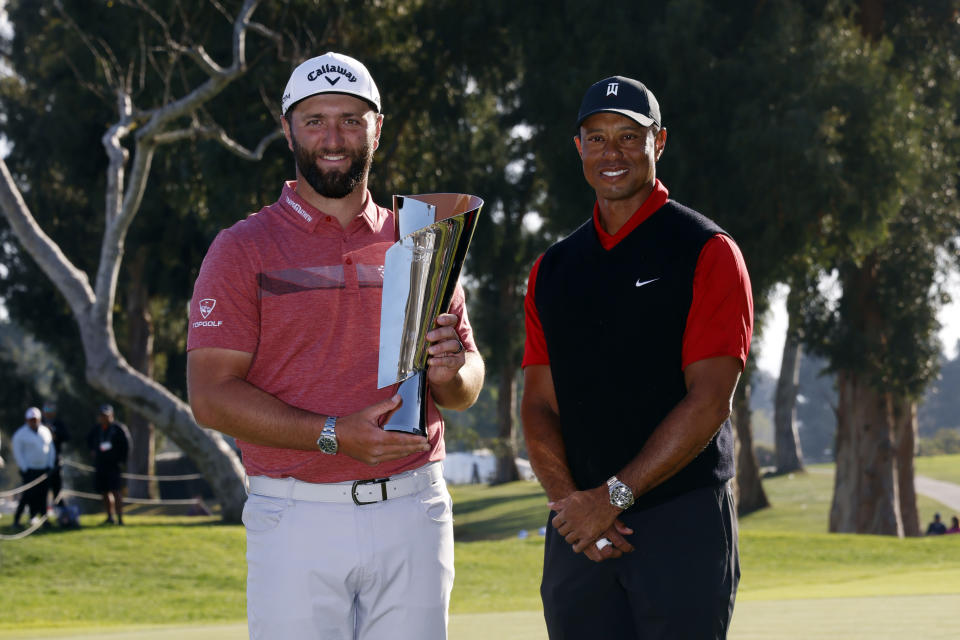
pixel 206 308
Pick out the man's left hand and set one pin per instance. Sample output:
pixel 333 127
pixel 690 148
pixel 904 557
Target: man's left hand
pixel 446 353
pixel 584 516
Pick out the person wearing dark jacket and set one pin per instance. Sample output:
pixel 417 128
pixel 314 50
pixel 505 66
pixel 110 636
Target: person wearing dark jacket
pixel 936 527
pixel 109 443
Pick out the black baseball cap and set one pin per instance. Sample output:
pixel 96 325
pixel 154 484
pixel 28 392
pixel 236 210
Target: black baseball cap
pixel 625 96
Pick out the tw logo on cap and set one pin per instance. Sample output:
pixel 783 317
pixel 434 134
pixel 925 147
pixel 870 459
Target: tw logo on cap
pixel 612 88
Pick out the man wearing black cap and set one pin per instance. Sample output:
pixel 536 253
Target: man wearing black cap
pixel 349 527
pixel 633 445
pixel 109 443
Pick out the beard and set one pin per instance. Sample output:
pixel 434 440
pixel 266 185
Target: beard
pixel 333 184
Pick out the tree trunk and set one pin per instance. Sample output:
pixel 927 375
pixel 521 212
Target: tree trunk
pixel 905 430
pixel 786 438
pixel 140 356
pixel 506 450
pixel 865 494
pixel 750 493
pixel 92 303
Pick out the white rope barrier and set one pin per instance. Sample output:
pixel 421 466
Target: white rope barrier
pixel 34 525
pixel 126 500
pixel 38 521
pixel 22 488
pixel 137 476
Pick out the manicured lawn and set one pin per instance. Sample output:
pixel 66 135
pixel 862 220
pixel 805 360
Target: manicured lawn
pixel 946 468
pixel 162 570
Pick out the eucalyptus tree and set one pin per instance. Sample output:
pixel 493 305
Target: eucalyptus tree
pixel 175 76
pixel 894 141
pixel 789 453
pixel 77 67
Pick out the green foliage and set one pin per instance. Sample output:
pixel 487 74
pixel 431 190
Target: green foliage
pixel 944 441
pixel 894 204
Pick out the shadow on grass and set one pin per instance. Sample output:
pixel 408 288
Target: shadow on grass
pixel 496 513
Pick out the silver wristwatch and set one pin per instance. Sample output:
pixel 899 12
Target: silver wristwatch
pixel 620 494
pixel 327 442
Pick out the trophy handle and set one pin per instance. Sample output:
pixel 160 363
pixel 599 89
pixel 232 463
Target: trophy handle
pixel 411 416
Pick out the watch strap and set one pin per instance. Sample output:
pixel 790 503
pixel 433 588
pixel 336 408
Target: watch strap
pixel 330 425
pixel 328 434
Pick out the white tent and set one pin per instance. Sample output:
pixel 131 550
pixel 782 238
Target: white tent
pixel 480 465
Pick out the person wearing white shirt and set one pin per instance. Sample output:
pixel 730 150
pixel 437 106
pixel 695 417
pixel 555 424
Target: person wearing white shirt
pixel 35 454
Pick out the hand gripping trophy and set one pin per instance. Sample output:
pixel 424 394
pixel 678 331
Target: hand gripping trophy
pixel 419 275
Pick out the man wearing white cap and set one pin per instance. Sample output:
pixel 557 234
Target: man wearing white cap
pixel 349 527
pixel 35 455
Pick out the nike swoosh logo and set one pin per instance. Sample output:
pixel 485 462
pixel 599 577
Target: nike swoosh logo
pixel 332 82
pixel 640 284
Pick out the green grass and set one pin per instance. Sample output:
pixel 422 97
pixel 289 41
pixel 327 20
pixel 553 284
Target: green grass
pixel 801 502
pixel 946 468
pixel 155 570
pixel 491 513
pixel 162 570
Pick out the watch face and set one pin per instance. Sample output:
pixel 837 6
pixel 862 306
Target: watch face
pixel 327 444
pixel 621 496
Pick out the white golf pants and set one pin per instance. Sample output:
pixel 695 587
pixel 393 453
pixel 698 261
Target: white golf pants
pixel 339 571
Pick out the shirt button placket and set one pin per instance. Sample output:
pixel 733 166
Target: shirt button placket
pixel 349 270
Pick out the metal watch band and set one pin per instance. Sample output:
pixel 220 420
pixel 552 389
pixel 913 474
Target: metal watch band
pixel 621 495
pixel 327 442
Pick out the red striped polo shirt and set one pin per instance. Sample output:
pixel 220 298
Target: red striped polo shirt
pixel 302 294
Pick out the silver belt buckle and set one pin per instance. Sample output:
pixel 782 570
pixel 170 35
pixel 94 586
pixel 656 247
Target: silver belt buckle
pixel 383 488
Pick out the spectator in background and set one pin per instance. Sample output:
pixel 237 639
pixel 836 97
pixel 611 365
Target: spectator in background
pixel 34 452
pixel 936 527
pixel 109 443
pixel 954 525
pixel 61 435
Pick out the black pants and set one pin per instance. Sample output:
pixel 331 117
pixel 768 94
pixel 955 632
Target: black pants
pixel 55 482
pixel 35 498
pixel 679 583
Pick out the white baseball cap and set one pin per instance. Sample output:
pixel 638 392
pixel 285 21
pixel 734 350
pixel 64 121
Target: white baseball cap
pixel 32 412
pixel 330 73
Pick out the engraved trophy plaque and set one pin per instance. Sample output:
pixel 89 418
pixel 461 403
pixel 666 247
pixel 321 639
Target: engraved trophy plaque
pixel 419 275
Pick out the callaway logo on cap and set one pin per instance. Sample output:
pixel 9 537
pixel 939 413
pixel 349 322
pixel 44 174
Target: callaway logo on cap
pixel 625 96
pixel 330 73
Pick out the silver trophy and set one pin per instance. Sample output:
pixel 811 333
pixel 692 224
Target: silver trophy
pixel 420 273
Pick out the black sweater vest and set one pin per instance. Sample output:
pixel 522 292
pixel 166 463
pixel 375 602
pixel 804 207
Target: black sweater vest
pixel 614 323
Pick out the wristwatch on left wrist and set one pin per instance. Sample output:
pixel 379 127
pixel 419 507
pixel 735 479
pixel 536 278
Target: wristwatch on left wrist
pixel 327 442
pixel 620 494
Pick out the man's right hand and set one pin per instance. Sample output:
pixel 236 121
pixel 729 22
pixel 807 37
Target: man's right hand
pixel 618 543
pixel 360 436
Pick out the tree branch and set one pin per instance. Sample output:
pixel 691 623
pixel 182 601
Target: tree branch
pixel 220 76
pixel 220 135
pixel 69 280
